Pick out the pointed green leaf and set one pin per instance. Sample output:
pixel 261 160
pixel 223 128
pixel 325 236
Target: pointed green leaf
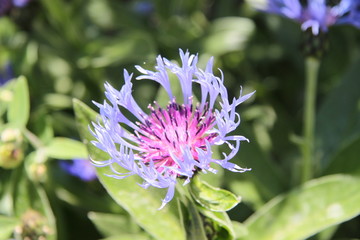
pixel 346 160
pixel 305 211
pixel 7 226
pixel 239 229
pixel 65 148
pixel 221 223
pixel 338 120
pixel 214 199
pixel 19 107
pixel 141 204
pixel 191 221
pixel 138 236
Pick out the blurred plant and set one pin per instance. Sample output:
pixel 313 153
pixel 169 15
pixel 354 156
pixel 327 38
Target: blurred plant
pixel 143 7
pixel 33 226
pixel 80 168
pixel 6 5
pixel 24 164
pixel 68 49
pixel 11 149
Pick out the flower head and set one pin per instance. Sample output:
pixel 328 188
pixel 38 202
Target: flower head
pixel 317 15
pixel 175 140
pixel 81 168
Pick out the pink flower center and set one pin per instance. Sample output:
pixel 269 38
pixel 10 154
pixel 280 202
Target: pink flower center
pixel 167 132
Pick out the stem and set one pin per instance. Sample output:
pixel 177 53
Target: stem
pixel 312 67
pixel 34 140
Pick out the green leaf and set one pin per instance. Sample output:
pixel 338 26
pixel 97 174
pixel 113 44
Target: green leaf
pixel 249 192
pixel 214 199
pixel 240 229
pixel 138 236
pixel 141 204
pixel 19 107
pixel 346 160
pixel 112 224
pixel 305 211
pixel 65 148
pixel 231 32
pixel 31 196
pixel 7 225
pixel 338 121
pixel 267 177
pixel 223 226
pixel 192 221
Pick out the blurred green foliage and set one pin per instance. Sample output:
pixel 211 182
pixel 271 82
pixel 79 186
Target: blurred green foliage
pixel 68 49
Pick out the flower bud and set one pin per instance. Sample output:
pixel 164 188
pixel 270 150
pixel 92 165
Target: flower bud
pixel 10 155
pixel 38 172
pixel 33 226
pixel 11 135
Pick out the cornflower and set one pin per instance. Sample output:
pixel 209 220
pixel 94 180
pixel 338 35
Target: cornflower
pixel 80 168
pixel 174 141
pixel 317 15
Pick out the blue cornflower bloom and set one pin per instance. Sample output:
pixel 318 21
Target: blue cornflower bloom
pixel 174 141
pixel 317 15
pixel 6 74
pixel 81 168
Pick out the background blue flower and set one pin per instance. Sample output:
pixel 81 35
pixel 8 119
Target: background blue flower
pixel 81 168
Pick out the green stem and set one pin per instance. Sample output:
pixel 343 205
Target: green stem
pixel 312 68
pixel 33 139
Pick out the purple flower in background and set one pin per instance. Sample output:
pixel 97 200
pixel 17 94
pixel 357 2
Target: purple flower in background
pixel 170 141
pixel 317 15
pixel 81 168
pixel 143 7
pixel 6 5
pixel 20 3
pixel 6 74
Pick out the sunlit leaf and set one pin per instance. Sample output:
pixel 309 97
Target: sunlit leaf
pixel 65 148
pixel 137 236
pixel 305 211
pixel 19 107
pixel 214 199
pixel 7 226
pixel 112 224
